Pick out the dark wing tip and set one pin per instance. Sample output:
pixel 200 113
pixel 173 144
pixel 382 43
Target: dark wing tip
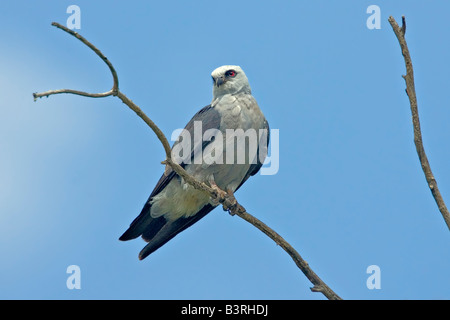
pixel 168 230
pixel 144 254
pixel 126 236
pixel 156 243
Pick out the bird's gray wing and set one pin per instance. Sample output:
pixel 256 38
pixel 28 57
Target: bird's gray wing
pixel 261 154
pixel 157 231
pixel 208 118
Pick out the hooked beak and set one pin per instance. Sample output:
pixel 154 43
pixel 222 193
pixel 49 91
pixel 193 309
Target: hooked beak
pixel 219 81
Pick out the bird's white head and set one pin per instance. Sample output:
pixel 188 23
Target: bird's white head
pixel 229 80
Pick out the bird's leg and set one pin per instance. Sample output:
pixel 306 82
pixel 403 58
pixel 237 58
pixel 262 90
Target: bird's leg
pixel 227 199
pixel 220 194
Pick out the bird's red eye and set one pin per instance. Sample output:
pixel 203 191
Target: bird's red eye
pixel 230 73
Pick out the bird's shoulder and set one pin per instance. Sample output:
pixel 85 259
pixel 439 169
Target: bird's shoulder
pixel 208 116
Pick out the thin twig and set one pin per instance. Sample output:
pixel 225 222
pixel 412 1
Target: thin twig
pixel 411 92
pixel 228 200
pixel 115 87
pixel 149 122
pixel 77 92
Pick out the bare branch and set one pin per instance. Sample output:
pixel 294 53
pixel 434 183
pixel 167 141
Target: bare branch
pixel 113 91
pixel 77 92
pixel 227 200
pixel 319 285
pixel 411 92
pixel 148 121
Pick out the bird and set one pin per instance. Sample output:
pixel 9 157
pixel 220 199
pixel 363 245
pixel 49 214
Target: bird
pixel 214 158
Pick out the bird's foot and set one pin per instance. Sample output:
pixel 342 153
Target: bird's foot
pixel 231 205
pixel 227 199
pixel 220 194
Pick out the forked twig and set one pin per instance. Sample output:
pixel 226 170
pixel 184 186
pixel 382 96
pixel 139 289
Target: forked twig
pixel 411 92
pixel 115 87
pixel 227 200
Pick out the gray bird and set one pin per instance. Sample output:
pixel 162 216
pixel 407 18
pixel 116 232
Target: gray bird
pixel 224 144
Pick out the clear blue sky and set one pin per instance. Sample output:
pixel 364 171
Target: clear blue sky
pixel 350 193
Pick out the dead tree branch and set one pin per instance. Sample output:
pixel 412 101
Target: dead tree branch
pixel 411 92
pixel 228 200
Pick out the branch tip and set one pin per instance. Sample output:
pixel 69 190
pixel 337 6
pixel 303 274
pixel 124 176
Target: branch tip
pixel 115 88
pixel 403 25
pixel 316 288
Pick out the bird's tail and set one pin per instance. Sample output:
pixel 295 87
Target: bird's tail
pixel 158 231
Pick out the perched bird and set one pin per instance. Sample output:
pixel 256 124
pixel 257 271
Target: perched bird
pixel 215 139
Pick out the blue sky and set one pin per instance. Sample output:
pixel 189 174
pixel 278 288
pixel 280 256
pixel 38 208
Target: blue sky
pixel 350 193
